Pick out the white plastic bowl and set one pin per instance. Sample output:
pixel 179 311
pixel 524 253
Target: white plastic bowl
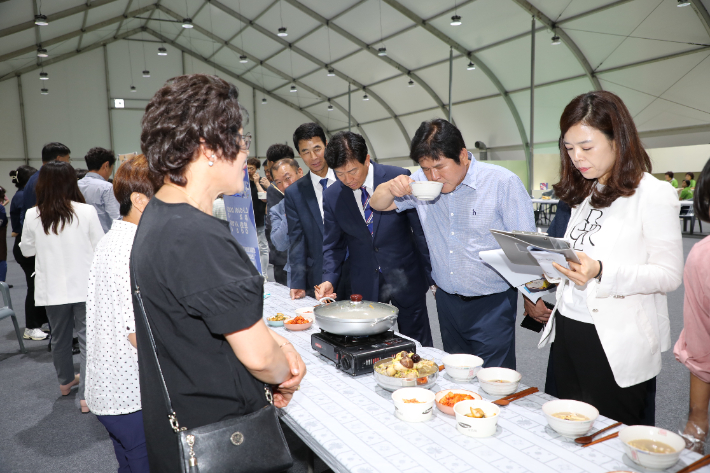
pixel 656 461
pixel 306 312
pixel 486 375
pixel 426 190
pixel 473 427
pixel 462 367
pixel 413 412
pixel 570 428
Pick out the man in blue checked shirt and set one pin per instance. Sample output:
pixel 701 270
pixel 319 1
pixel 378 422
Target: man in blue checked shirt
pixel 476 306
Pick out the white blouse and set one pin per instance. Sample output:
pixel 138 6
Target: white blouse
pixel 112 385
pixel 62 261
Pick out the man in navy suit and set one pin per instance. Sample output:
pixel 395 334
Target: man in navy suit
pixel 304 213
pixel 389 258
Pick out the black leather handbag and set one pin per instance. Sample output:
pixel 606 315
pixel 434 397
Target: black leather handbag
pixel 253 443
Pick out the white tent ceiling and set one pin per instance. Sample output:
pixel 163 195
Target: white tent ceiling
pixel 653 54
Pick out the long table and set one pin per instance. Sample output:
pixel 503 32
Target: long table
pixel 349 423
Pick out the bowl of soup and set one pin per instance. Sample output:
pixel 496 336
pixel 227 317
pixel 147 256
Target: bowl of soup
pixel 426 190
pixel 413 404
pixel 651 447
pixel 570 418
pixel 499 381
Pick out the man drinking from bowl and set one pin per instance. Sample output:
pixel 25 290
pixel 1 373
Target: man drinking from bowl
pixel 476 306
pixel 389 259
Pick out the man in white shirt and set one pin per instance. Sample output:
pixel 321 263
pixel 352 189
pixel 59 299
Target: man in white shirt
pixel 96 189
pixel 304 211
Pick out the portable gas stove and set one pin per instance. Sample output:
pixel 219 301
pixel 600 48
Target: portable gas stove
pixel 358 355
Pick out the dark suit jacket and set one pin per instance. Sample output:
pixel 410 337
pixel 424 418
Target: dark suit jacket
pixel 397 246
pixel 305 232
pixel 273 197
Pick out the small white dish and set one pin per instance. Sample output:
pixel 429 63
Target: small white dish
pixel 656 461
pixel 306 312
pixel 570 428
pixel 413 411
pixel 473 427
pixel 426 190
pixel 489 379
pixel 462 367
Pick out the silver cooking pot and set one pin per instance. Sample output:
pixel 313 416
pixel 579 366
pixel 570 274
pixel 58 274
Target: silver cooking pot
pixel 355 317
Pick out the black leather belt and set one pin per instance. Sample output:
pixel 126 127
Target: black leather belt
pixel 464 298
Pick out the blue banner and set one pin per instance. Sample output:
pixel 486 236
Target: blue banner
pixel 240 215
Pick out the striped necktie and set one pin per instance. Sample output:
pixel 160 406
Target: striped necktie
pixel 365 197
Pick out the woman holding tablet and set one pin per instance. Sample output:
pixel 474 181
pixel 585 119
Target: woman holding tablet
pixel 611 319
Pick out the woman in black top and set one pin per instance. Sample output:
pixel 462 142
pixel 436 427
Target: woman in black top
pixel 202 295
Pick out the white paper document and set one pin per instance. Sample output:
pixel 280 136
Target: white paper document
pixel 515 274
pixel 545 260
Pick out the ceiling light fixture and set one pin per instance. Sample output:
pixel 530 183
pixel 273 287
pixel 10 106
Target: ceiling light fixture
pixel 264 101
pixel 330 108
pixel 243 59
pixel 471 66
pixel 282 32
pixel 293 88
pixel 382 52
pixel 146 73
pixel 187 23
pixel 133 88
pixel 44 91
pixel 331 72
pixel 41 52
pixel 455 20
pixel 556 40
pixel 365 98
pixel 683 3
pixel 43 76
pixel 41 20
pixel 410 83
pixel 162 51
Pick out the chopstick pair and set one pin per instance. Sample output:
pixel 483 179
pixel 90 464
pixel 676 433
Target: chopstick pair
pixel 608 437
pixel 523 393
pixel 704 461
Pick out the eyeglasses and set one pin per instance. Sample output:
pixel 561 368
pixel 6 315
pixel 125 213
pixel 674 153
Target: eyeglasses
pixel 246 139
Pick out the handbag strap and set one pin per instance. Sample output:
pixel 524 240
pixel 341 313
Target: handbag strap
pixel 172 416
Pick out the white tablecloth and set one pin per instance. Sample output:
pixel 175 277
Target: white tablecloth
pixel 545 201
pixel 350 423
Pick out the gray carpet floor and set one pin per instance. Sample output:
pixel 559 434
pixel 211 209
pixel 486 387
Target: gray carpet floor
pixel 41 431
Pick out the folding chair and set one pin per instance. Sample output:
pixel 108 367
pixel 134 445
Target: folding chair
pixel 7 311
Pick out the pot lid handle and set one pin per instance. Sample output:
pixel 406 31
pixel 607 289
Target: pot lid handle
pixel 356 298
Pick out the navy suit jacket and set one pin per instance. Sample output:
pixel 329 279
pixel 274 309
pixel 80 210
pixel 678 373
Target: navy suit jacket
pixel 397 246
pixel 305 233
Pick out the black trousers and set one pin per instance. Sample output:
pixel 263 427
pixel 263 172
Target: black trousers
pixel 34 316
pixel 583 373
pixel 413 318
pixel 280 275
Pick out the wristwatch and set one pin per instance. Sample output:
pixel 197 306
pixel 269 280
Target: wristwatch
pixel 598 277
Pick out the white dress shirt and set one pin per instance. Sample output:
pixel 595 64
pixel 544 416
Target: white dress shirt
pixel 315 179
pixel 370 186
pixel 62 261
pixel 112 385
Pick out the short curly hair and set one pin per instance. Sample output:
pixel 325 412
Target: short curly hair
pixel 186 109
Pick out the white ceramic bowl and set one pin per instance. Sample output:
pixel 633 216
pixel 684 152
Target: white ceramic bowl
pixel 473 427
pixel 462 367
pixel 570 428
pixel 306 312
pixel 426 190
pixel 487 375
pixel 656 461
pixel 416 411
